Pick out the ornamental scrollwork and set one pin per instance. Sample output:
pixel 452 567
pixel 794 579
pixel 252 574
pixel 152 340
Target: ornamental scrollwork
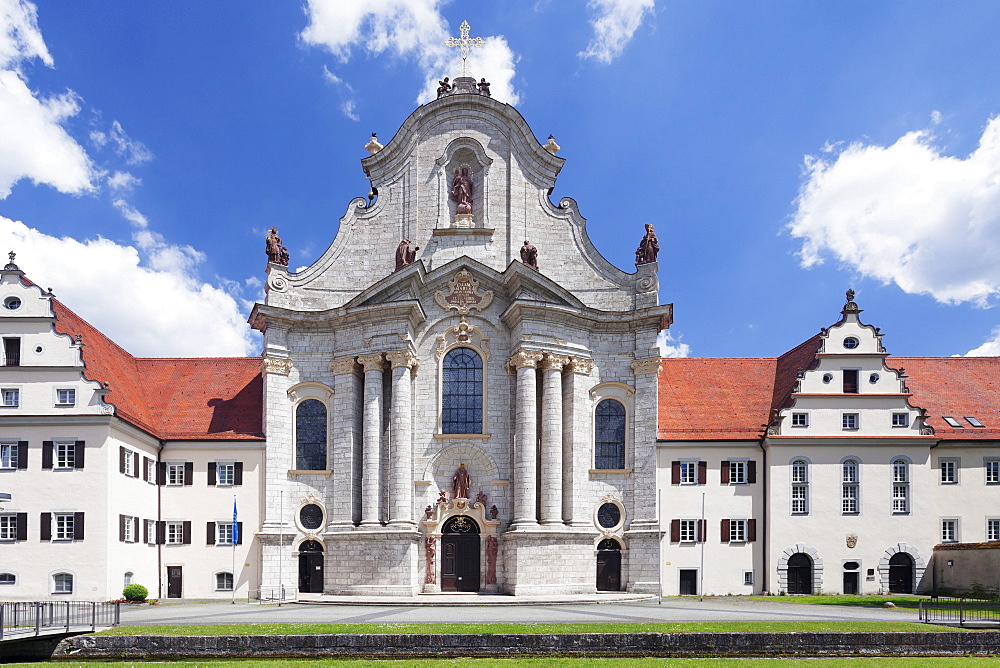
pixel 276 365
pixel 646 365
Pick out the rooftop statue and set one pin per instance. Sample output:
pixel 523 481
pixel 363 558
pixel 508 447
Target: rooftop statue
pixel 529 255
pixel 404 255
pixel 648 248
pixel 273 246
pixel 444 87
pixel 484 88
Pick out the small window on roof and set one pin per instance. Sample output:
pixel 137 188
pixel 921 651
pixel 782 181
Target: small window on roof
pixel 974 422
pixel 952 422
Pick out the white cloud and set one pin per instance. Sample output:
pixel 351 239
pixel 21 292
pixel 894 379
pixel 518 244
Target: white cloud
pixel 615 22
pixel 407 29
pixel 671 347
pixel 33 142
pixel 132 151
pixel 907 214
pixel 150 311
pixel 123 181
pixel 348 108
pixel 989 348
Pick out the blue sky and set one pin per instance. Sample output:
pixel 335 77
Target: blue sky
pixel 785 151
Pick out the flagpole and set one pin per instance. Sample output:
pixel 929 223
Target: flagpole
pixel 235 535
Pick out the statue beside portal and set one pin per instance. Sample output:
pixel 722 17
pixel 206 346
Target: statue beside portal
pixel 461 191
pixel 529 255
pixel 491 560
pixel 460 482
pixel 404 254
pixel 430 551
pixel 648 247
pixel 273 248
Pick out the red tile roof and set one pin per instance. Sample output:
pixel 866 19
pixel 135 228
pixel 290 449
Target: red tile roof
pixel 731 399
pixel 207 398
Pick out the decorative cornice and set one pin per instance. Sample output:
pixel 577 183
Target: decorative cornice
pixel 581 365
pixel 525 358
pixel 342 365
pixel 553 362
pixel 372 362
pixel 276 365
pixel 402 358
pixel 646 365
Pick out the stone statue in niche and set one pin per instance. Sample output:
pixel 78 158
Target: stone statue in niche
pixel 481 497
pixel 484 87
pixel 404 254
pixel 529 255
pixel 648 247
pixel 430 551
pixel 461 191
pixel 494 512
pixel 443 87
pixel 491 560
pixel 273 246
pixel 428 511
pixel 460 482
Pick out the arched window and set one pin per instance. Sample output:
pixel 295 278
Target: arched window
pixel 462 392
pixel 224 581
pixel 310 436
pixel 128 577
pixel 609 435
pixel 62 583
pixel 800 487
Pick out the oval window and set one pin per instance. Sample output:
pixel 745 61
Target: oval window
pixel 873 378
pixel 12 303
pixel 311 517
pixel 851 343
pixel 609 515
pixel 827 377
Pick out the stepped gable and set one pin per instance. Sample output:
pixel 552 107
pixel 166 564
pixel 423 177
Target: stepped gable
pixel 192 399
pixel 956 387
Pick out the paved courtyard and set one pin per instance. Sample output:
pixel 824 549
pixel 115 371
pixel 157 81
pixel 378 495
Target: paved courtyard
pixel 711 609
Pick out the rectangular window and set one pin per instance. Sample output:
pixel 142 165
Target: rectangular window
pixel 689 472
pixel 225 474
pixel 993 529
pixel 151 471
pixel 949 471
pixel 223 533
pixel 952 422
pixel 175 533
pixel 689 531
pixel 11 351
pixel 900 419
pixel 150 532
pixel 900 498
pixel 8 455
pixel 974 422
pixel 850 420
pixel 224 581
pixel 949 531
pixel 992 471
pixel 800 500
pixel 128 529
pixel 849 500
pixel 62 583
pixel 65 397
pixel 11 397
pixel 737 473
pixel 850 381
pixel 64 526
pixel 175 474
pixel 737 531
pixel 65 455
pixel 800 419
pixel 128 461
pixel 747 577
pixel 8 527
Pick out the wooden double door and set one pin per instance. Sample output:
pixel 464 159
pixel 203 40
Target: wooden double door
pixel 460 550
pixel 609 565
pixel 311 567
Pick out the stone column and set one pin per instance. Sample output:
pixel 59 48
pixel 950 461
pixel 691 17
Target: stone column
pixel 371 482
pixel 578 447
pixel 525 437
pixel 404 363
pixel 552 433
pixel 345 439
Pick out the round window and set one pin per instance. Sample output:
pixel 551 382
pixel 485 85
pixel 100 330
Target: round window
pixel 12 303
pixel 311 517
pixel 827 377
pixel 851 343
pixel 609 515
pixel 873 378
pixel 851 565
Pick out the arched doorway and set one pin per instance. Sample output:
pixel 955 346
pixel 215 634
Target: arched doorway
pixel 800 574
pixel 901 573
pixel 609 565
pixel 311 567
pixel 460 554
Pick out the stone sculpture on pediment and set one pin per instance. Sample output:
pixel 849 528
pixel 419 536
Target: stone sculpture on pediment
pixel 648 248
pixel 404 254
pixel 462 334
pixel 444 87
pixel 529 255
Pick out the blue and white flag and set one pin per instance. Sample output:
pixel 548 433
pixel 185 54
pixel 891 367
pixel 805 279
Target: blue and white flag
pixel 236 524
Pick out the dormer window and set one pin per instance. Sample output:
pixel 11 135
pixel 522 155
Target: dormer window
pixel 851 343
pixel 974 422
pixel 952 422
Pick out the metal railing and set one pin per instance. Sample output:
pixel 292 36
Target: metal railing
pixel 959 610
pixel 277 595
pixel 32 618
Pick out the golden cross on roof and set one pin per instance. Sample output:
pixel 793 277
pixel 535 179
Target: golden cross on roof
pixel 464 42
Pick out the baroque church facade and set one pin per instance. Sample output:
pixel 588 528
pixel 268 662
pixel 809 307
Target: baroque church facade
pixel 461 394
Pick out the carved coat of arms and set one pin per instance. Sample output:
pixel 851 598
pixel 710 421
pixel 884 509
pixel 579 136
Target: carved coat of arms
pixel 463 294
pixel 852 540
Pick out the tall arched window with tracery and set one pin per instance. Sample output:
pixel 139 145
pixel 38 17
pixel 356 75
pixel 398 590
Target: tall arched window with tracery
pixel 462 392
pixel 310 436
pixel 609 435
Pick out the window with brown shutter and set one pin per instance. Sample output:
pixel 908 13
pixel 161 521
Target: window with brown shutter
pixel 121 528
pixel 22 526
pixel 80 447
pixel 161 532
pixel 724 473
pixel 145 468
pixel 702 472
pixel 210 533
pixel 161 473
pixel 22 455
pixel 751 472
pixel 47 448
pixel 239 530
pixel 188 473
pixel 702 531
pixel 45 527
pixel 78 525
pixel 238 474
pixel 135 464
pixel 211 474
pixel 186 533
pixel 675 473
pixel 122 454
pixel 675 529
pixel 725 531
pixel 751 530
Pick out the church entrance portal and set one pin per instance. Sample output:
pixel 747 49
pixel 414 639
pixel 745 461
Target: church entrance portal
pixel 800 574
pixel 901 573
pixel 609 565
pixel 460 554
pixel 311 567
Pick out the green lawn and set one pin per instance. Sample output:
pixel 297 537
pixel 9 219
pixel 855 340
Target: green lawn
pixel 554 662
pixel 908 602
pixel 691 627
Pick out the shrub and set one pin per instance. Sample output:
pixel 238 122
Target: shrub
pixel 135 592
